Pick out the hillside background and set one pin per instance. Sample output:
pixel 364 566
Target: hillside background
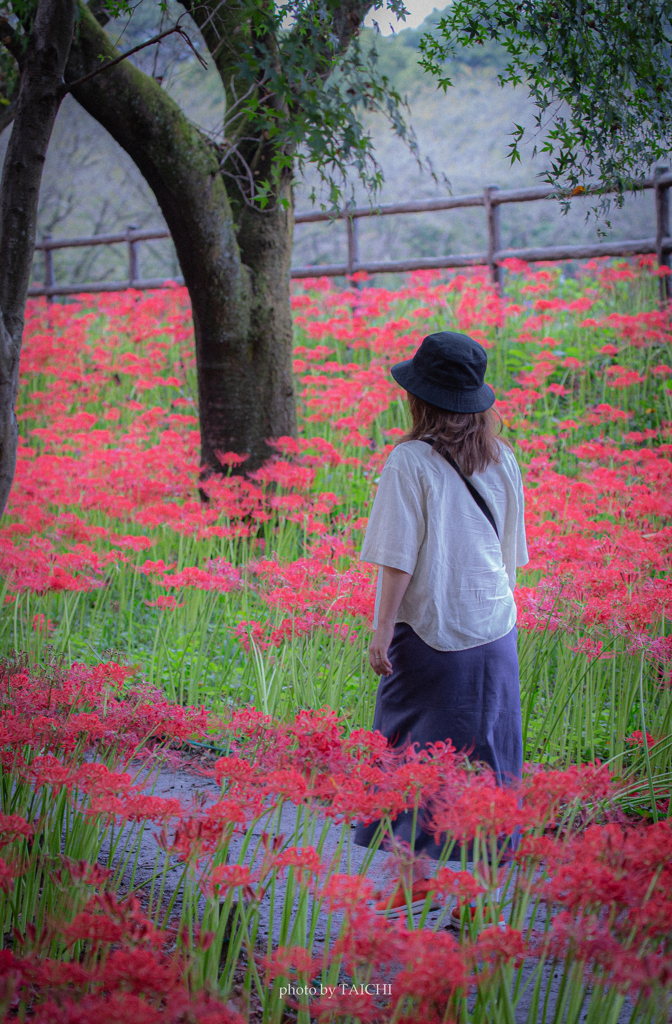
pixel 91 186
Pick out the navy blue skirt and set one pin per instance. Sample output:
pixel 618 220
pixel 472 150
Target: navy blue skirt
pixel 470 697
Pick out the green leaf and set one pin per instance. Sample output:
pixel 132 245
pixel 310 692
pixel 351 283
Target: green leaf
pixel 602 66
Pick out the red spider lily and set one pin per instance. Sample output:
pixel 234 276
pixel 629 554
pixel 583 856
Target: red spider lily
pixel 9 872
pixel 367 799
pixel 290 784
pixel 428 967
pixel 608 871
pixel 592 649
pixel 129 1008
pixel 457 883
pixel 347 892
pixel 106 920
pixel 137 806
pixel 496 947
pixel 251 632
pixel 202 833
pixel 231 458
pixel 637 738
pixel 305 862
pixel 158 568
pixel 231 876
pixel 42 624
pixel 112 673
pixel 434 967
pixel 477 806
pixel 140 971
pixel 298 626
pixel 85 873
pixel 94 928
pixel 220 580
pixel 48 712
pixel 604 870
pixel 546 793
pixel 367 940
pixel 288 960
pixel 348 1001
pixel 12 826
pixel 165 603
pixel 613 964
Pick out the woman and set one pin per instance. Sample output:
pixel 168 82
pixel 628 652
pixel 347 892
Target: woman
pixel 447 532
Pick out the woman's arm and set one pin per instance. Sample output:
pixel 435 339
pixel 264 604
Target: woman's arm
pixel 394 585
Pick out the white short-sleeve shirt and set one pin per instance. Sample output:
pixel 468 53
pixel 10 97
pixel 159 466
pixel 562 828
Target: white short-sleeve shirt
pixel 425 522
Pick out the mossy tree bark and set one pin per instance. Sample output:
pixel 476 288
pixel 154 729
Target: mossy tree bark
pixel 237 274
pixel 234 254
pixel 41 78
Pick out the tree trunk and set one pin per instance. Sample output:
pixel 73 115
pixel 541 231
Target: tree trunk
pixel 38 102
pixel 239 293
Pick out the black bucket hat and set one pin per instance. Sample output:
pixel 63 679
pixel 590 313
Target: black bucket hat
pixel 448 371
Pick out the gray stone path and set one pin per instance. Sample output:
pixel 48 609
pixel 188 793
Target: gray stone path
pixel 187 783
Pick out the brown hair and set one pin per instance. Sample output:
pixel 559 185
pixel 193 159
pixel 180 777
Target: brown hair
pixel 472 438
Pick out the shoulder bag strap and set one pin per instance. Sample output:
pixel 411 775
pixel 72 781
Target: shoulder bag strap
pixel 478 498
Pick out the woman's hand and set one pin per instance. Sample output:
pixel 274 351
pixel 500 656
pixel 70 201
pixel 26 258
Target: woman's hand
pixel 378 648
pixel 394 584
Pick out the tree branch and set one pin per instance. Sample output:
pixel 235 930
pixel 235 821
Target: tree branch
pixel 135 49
pixel 348 18
pixel 221 26
pixel 12 40
pixel 179 164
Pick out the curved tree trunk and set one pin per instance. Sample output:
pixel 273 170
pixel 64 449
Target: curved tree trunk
pixel 239 293
pixel 37 105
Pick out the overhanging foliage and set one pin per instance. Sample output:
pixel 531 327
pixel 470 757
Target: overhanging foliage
pixel 599 74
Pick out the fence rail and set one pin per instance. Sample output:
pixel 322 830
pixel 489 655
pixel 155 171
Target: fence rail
pixel 491 199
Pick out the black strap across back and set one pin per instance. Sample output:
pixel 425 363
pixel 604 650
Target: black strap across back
pixel 478 498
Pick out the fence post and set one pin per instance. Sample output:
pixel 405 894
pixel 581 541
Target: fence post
pixel 353 244
pixel 494 234
pixel 49 279
pixel 662 196
pixel 133 274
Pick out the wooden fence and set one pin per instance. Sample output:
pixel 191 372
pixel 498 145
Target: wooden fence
pixel 491 199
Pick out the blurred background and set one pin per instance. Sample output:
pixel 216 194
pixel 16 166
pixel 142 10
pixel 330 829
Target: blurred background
pixel 90 186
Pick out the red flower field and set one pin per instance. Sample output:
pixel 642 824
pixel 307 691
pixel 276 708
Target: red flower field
pixel 130 603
